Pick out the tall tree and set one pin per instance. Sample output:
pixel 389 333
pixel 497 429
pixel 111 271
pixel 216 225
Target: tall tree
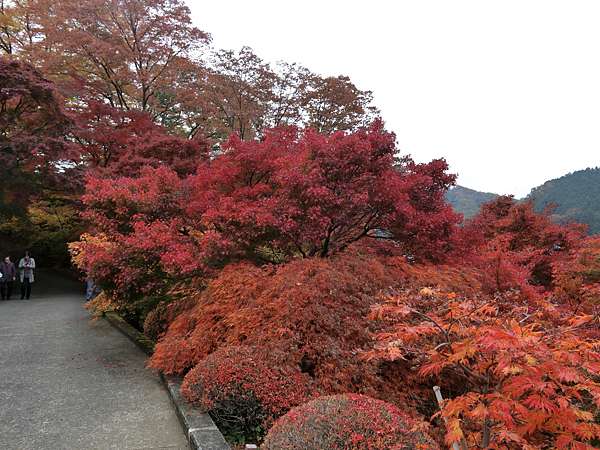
pixel 240 86
pixel 127 53
pixel 32 126
pixel 249 95
pixel 335 103
pixel 18 27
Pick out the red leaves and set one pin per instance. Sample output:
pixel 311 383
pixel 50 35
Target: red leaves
pixel 245 389
pixel 347 421
pixel 523 374
pixel 519 246
pixel 117 143
pixel 313 195
pixel 32 129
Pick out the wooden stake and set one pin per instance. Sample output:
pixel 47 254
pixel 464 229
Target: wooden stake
pixel 440 401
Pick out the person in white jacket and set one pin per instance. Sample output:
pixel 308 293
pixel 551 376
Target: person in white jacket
pixel 26 272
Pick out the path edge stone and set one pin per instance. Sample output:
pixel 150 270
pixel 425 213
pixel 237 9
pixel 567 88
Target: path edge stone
pixel 200 429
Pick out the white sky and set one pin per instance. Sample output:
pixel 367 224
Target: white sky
pixel 507 91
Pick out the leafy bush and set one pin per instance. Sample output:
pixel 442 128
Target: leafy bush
pixel 519 372
pixel 578 277
pixel 245 389
pixel 314 310
pixel 292 194
pixel 345 421
pixel 158 320
pixel 520 243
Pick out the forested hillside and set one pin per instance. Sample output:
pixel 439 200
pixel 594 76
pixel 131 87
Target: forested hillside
pixel 468 201
pixel 576 197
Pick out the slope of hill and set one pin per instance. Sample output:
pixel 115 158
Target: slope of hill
pixel 467 201
pixel 576 197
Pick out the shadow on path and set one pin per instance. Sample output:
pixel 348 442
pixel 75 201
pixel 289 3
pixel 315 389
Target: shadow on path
pixel 68 382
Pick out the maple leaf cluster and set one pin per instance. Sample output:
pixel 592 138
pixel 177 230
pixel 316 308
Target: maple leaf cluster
pixel 520 374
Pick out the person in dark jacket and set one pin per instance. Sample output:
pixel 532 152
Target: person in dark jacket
pixel 9 275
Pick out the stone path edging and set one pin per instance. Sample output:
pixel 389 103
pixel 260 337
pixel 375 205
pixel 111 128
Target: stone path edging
pixel 201 431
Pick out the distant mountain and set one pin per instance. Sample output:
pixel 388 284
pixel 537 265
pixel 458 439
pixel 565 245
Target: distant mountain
pixel 467 201
pixel 575 195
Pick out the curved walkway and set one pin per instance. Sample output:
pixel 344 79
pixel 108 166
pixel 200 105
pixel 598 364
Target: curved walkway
pixel 67 382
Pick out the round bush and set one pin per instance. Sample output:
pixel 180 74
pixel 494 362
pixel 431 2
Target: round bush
pixel 245 389
pixel 347 421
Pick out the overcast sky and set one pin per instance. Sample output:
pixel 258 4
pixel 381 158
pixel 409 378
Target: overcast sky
pixel 507 91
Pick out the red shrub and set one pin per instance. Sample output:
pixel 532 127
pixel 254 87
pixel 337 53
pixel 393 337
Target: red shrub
pixel 315 310
pixel 245 389
pixel 304 193
pixel 578 277
pixel 340 422
pixel 516 372
pixel 520 244
pixel 158 320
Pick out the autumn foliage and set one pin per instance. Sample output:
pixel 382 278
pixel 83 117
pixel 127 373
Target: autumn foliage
pixel 312 309
pixel 310 194
pixel 259 221
pixel 245 389
pixel 345 421
pixel 520 373
pixel 499 321
pixel 32 123
pixel 292 194
pixel 518 359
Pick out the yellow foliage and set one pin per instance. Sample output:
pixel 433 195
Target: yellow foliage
pixel 101 304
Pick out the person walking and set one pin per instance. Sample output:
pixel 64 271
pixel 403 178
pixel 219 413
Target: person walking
pixel 91 290
pixel 26 272
pixel 8 274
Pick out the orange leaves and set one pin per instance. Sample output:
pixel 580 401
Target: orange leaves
pixel 432 368
pixel 521 371
pixel 315 310
pixel 455 433
pixel 462 352
pixel 581 320
pixel 536 401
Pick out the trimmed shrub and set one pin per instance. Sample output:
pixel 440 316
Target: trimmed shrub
pixel 347 421
pixel 245 389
